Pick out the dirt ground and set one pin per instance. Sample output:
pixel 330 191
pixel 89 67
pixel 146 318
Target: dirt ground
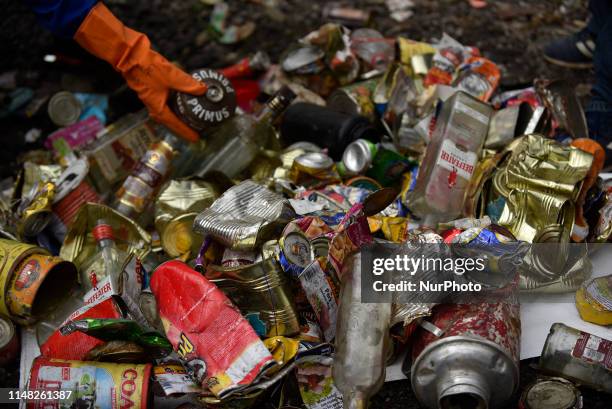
pixel 511 33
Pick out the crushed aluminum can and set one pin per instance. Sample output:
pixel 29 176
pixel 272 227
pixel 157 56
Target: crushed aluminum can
pixel 262 294
pixel 260 61
pixel 551 393
pixel 506 124
pixel 176 208
pixel 355 99
pixel 578 356
pixel 210 109
pixel 297 249
pixel 9 341
pixel 245 216
pixel 452 359
pixel 64 109
pixel 37 213
pixel 103 385
pixel 73 191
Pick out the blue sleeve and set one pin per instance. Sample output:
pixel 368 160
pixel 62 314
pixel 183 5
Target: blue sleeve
pixel 62 17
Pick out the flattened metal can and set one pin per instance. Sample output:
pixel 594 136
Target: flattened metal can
pixel 551 393
pixel 355 99
pixel 210 109
pixel 579 356
pixel 469 353
pixel 92 384
pixel 9 342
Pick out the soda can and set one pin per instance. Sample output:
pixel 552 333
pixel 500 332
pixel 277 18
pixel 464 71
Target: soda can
pixel 297 249
pixel 551 393
pixel 9 342
pixel 92 384
pixel 64 109
pixel 452 359
pixel 210 109
pixel 578 356
pixel 358 156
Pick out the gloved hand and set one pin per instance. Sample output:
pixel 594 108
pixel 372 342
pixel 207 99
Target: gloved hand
pixel 145 71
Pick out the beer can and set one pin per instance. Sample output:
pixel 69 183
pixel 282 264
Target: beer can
pixel 64 109
pixel 9 342
pixel 578 356
pixel 297 249
pixel 452 359
pixel 216 105
pixel 358 156
pixel 93 384
pixel 551 393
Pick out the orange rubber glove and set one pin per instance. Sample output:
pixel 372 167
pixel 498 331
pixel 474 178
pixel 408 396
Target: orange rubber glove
pixel 145 71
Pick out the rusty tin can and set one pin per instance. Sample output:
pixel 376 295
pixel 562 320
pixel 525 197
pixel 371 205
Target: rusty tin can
pixel 551 393
pixel 261 292
pixel 470 352
pixel 210 109
pixel 579 356
pixel 9 342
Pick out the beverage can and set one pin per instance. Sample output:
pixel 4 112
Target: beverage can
pixel 551 393
pixel 64 109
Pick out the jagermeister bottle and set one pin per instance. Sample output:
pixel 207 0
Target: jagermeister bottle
pixel 234 145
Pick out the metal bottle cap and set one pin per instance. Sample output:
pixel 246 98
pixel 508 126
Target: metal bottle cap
pixel 552 393
pixel 64 109
pixel 358 156
pixel 315 160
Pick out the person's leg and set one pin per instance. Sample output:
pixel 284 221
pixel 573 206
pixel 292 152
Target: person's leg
pixel 599 109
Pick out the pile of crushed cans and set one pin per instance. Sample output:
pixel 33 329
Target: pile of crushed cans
pixel 140 270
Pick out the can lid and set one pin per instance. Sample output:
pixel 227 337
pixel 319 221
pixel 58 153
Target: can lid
pixel 315 160
pixel 553 393
pixel 7 331
pixel 358 156
pixel 297 249
pixel 64 108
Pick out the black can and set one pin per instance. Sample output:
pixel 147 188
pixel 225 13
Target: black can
pixel 325 128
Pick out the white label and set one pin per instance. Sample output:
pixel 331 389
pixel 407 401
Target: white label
pixel 454 159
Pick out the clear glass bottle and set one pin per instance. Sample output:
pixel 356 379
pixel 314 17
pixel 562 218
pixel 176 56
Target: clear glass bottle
pixel 106 262
pixel 362 340
pixel 234 145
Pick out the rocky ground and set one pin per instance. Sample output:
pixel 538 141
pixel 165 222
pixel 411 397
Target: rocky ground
pixel 511 33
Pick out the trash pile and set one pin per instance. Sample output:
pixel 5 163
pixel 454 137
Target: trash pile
pixel 141 270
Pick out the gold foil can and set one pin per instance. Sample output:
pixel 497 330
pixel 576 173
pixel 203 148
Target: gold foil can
pixel 176 208
pixel 79 244
pixel 262 292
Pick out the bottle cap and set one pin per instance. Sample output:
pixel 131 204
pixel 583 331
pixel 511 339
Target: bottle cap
pixel 103 231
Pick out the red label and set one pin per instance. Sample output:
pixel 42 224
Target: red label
pixel 593 349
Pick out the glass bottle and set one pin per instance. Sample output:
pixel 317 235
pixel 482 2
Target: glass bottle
pixel 146 178
pixel 362 340
pixel 106 262
pixel 234 145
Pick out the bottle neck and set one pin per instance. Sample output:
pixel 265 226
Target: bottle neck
pixel 276 106
pixel 105 243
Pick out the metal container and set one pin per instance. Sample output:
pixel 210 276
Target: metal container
pixel 468 357
pixel 578 356
pixel 358 156
pixel 551 393
pixel 210 109
pixel 355 99
pixel 261 292
pixel 64 109
pixel 9 342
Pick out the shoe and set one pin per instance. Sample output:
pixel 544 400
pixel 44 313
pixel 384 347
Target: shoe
pixel 575 51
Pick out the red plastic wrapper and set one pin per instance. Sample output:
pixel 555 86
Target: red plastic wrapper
pixel 219 347
pixel 75 346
